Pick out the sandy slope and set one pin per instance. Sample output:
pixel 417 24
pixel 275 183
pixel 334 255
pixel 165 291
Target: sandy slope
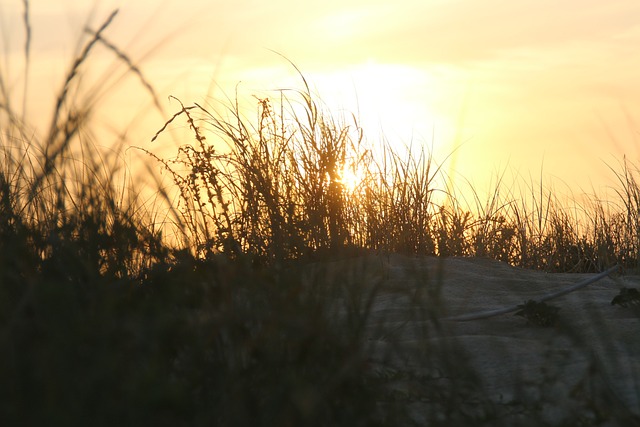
pixel 588 364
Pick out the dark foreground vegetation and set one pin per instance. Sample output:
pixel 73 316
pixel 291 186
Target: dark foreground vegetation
pixel 211 316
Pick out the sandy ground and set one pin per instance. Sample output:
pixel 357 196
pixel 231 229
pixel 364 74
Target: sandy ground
pixel 587 364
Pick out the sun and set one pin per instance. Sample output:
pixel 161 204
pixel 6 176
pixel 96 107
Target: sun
pixel 350 179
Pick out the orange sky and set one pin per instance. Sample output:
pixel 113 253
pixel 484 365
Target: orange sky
pixel 519 83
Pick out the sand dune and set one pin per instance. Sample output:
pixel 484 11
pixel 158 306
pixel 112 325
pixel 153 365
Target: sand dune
pixel 588 363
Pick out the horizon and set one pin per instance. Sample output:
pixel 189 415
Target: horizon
pixel 525 86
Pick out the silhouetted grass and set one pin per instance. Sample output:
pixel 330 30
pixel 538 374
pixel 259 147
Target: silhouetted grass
pixel 245 318
pixel 274 190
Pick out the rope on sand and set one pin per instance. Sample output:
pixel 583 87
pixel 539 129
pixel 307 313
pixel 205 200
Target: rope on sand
pixel 490 313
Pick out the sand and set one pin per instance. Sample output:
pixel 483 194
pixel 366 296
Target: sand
pixel 586 365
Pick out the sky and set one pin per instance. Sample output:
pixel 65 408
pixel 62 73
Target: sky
pixel 526 85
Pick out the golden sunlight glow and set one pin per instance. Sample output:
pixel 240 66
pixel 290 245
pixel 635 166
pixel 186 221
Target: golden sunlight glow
pixel 350 179
pixel 521 87
pixel 401 103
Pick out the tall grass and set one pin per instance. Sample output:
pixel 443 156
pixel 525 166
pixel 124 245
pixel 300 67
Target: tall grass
pixel 103 322
pixel 243 319
pixel 273 189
